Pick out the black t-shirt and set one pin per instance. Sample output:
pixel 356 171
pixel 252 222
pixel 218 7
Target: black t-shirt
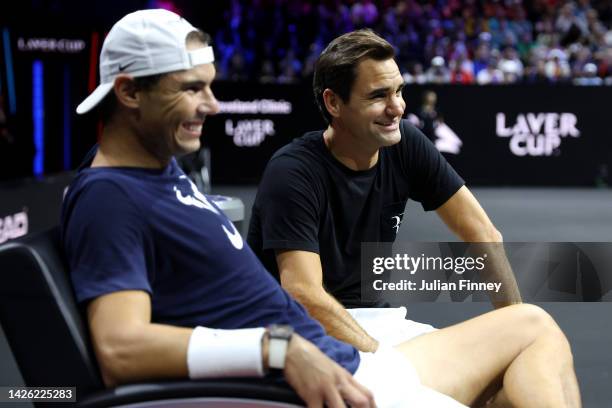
pixel 308 200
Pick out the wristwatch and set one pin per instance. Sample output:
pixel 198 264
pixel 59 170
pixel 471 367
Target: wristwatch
pixel 279 335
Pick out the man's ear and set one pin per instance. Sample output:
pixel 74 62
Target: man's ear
pixel 126 91
pixel 332 102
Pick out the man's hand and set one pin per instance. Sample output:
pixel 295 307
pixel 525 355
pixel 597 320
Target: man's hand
pixel 320 381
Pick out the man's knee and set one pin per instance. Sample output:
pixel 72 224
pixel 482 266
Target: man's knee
pixel 538 322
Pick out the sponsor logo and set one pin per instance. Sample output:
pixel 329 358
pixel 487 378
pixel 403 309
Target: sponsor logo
pixel 123 67
pixel 60 45
pixel 13 226
pixel 446 140
pixel 258 106
pixel 198 199
pixel 537 134
pixel 234 236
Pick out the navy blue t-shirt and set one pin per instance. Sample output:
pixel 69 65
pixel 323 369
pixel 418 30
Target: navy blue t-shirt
pixel 152 230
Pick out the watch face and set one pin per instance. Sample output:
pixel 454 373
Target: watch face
pixel 281 331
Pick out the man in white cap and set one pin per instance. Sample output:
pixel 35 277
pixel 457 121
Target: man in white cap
pixel 152 258
pixel 171 290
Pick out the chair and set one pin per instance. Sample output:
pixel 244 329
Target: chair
pixel 49 339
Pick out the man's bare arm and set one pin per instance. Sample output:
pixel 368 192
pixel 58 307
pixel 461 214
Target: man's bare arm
pixel 302 276
pixel 465 217
pixel 130 348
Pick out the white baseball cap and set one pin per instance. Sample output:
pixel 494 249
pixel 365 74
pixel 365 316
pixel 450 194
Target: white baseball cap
pixel 146 42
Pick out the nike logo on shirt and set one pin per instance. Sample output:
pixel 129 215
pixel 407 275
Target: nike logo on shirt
pixel 199 200
pixel 234 237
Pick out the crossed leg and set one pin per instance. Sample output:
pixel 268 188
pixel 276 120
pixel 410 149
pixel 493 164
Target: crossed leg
pixel 518 347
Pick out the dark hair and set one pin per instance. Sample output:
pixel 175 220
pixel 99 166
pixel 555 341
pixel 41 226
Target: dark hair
pixel 336 67
pixel 108 105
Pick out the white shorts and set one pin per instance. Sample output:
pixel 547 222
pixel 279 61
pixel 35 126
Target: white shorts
pixel 395 382
pixel 389 325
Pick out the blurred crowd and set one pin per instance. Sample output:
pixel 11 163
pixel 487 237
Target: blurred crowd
pixel 437 41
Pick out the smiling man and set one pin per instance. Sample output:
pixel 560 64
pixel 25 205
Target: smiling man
pixel 327 192
pixel 169 286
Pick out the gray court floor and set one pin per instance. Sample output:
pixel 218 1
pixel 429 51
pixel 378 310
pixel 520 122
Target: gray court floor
pixel 528 214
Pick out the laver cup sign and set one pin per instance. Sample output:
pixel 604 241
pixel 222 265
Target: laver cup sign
pixel 252 132
pixel 526 135
pixel 537 134
pixel 254 121
pixel 401 273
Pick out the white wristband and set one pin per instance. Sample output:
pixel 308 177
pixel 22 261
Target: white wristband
pixel 225 353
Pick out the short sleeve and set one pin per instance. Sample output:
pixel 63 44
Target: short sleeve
pixel 433 179
pixel 104 241
pixel 288 206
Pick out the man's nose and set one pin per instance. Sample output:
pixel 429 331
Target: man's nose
pixel 396 106
pixel 209 104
